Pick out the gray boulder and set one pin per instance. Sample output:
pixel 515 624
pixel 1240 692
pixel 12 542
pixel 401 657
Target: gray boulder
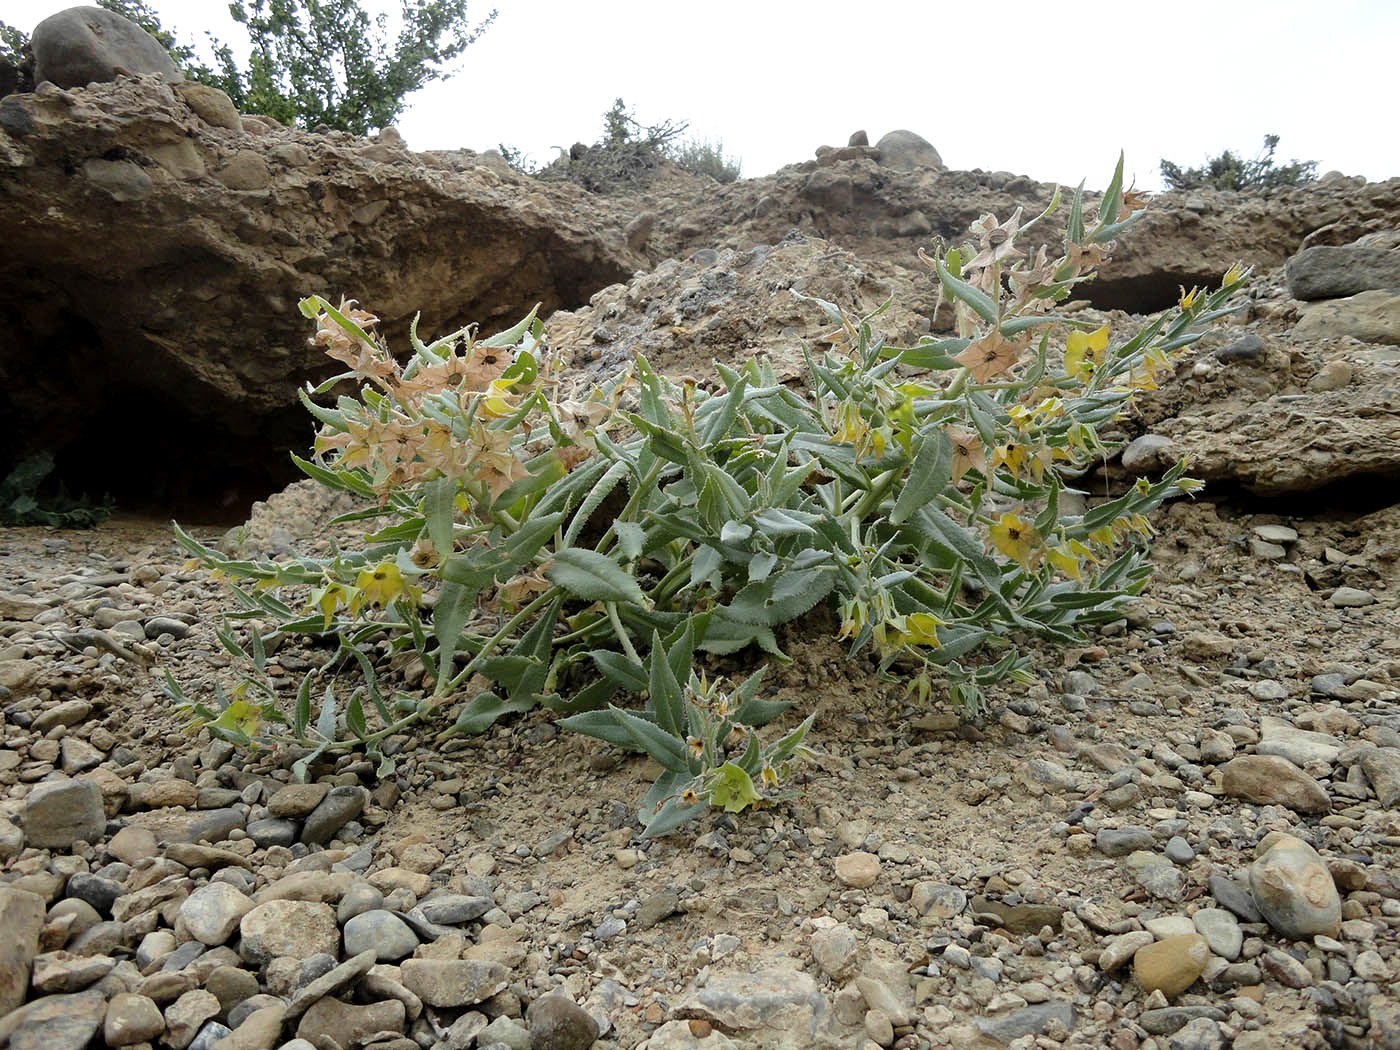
pixel 1327 272
pixel 85 45
pixel 905 151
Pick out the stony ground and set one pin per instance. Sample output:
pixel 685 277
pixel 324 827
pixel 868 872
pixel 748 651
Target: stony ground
pixel 1182 837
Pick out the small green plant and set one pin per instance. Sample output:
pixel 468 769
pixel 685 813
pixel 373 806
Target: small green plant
pixel 20 500
pixel 539 543
pixel 517 159
pixel 1231 172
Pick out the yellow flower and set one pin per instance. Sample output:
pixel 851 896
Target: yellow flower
pixel 1016 538
pixel 496 401
pixel 1084 351
pixel 1234 275
pixel 328 599
pixel 1062 559
pixel 383 585
pixel 240 717
pixel 850 426
pixel 1011 456
pixel 1188 299
pixel 921 629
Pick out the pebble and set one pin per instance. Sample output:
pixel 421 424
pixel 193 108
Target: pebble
pixel 132 1019
pixel 453 983
pixel 59 813
pixel 1119 842
pixel 834 950
pixel 1121 949
pixel 211 913
pixel 1221 930
pixel 288 928
pixel 21 917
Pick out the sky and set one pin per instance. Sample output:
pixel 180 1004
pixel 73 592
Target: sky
pixel 1049 90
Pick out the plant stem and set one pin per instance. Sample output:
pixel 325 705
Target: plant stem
pixel 510 625
pixel 623 638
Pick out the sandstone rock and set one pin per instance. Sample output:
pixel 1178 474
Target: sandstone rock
pixel 213 106
pixel 1221 930
pixel 834 950
pixel 1293 889
pixel 905 151
pixel 1330 272
pixel 58 813
pixel 1171 965
pixel 284 927
pixel 132 1019
pixel 21 917
pixel 83 45
pixel 1270 780
pixel 448 242
pixel 1122 948
pixel 558 1023
pixel 453 983
pixel 381 932
pixel 1373 317
pixel 259 1030
pixel 783 1007
pixel 349 1025
pixel 1382 768
pixel 859 869
pixel 187 1014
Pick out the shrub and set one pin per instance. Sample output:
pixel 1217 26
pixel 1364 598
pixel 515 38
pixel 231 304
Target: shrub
pixel 543 544
pixel 1229 172
pixel 701 157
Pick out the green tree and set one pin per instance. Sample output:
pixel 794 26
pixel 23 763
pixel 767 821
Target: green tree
pixel 1231 172
pixel 313 62
pixel 327 62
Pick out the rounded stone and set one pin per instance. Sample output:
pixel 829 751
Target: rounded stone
pixel 338 808
pixel 1221 931
pixel 132 1019
pixel 1172 965
pixel 211 913
pixel 85 45
pixel 382 932
pixel 905 151
pixel 288 928
pixel 834 950
pixel 1294 890
pixel 858 870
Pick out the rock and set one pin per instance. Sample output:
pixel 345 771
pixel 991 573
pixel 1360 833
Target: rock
pixel 21 917
pixel 58 813
pixel 296 800
pixel 211 913
pixel 259 1030
pixel 83 45
pixel 1018 918
pixel 381 932
pixel 1298 746
pixel 54 1022
pixel 338 808
pixel 1230 895
pixel 1294 890
pixel 834 950
pixel 187 1014
pixel 1372 317
pixel 859 869
pixel 558 1023
pixel 658 906
pixel 1150 453
pixel 213 106
pixel 1351 598
pixel 1119 842
pixel 332 982
pixel 507 1032
pixel 1168 1019
pixel 1330 272
pixel 1273 781
pixel 349 1025
pixel 938 901
pixel 453 983
pixel 1157 875
pixel 1248 347
pixel 1122 948
pixel 1382 768
pixel 132 1019
pixel 285 927
pixel 1285 969
pixel 784 1005
pixel 455 909
pixel 201 230
pixel 1028 1020
pixel 62 972
pixel 1221 930
pixel 906 151
pixel 1203 1033
pixel 1171 965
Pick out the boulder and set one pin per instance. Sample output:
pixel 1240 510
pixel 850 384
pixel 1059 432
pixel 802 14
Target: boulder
pixel 86 45
pixel 905 151
pixel 1334 271
pixel 155 256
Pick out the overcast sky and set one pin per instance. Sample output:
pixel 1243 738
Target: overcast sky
pixel 1050 90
